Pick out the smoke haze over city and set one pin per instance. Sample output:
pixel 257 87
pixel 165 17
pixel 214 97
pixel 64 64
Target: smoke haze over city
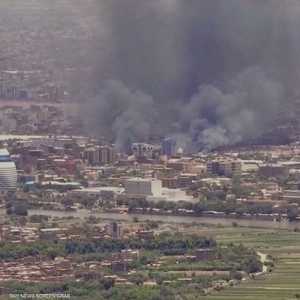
pixel 150 149
pixel 210 73
pixel 207 72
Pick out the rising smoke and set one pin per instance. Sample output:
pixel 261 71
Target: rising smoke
pixel 209 72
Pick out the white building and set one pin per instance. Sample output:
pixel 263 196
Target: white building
pixel 153 191
pixel 172 195
pixel 8 172
pixel 143 186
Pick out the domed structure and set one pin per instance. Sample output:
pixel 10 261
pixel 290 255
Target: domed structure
pixel 8 172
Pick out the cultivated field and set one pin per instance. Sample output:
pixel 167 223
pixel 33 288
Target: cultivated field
pixel 283 282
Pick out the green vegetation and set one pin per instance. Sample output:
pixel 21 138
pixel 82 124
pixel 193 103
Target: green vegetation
pixel 213 201
pixel 12 251
pixel 169 280
pixel 163 243
pixel 233 254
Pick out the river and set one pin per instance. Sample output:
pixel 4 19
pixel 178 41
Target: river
pixel 82 214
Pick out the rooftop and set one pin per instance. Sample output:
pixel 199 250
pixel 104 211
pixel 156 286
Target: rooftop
pixel 4 152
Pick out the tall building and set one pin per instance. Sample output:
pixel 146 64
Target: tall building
pixel 169 147
pixel 12 85
pixel 8 172
pixel 107 155
pixel 114 230
pixel 142 150
pixel 91 156
pixel 100 155
pixel 226 168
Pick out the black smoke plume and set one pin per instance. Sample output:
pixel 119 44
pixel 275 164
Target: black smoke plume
pixel 209 72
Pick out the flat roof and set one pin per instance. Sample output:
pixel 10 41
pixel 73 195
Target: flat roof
pixel 142 179
pixel 4 152
pixel 100 189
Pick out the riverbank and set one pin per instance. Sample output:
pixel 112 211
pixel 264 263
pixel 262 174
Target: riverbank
pixel 82 214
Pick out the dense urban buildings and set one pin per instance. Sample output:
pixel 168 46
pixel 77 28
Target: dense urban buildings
pixel 87 211
pixel 149 150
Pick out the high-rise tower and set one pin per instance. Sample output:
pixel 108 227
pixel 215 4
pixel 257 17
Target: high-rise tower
pixel 8 172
